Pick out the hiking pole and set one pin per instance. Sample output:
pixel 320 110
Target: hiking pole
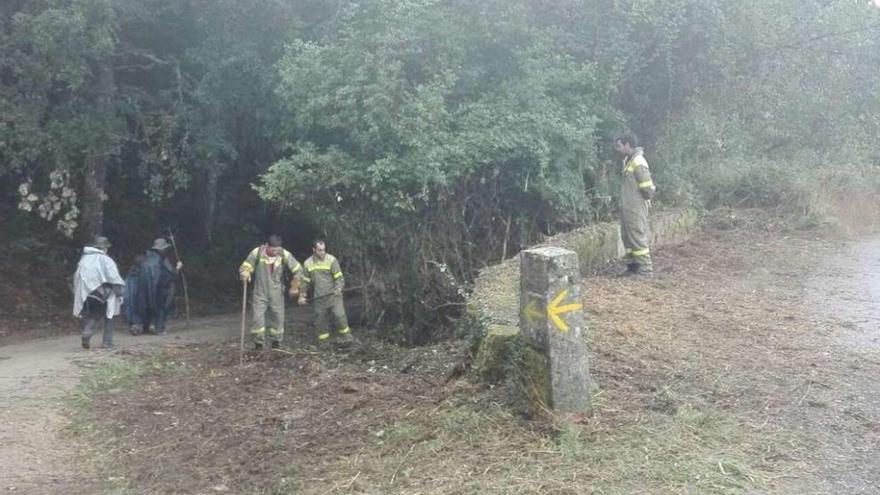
pixel 182 276
pixel 243 319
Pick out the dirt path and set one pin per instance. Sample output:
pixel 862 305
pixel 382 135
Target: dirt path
pixel 843 295
pixel 783 332
pixel 780 332
pixel 847 290
pixel 37 456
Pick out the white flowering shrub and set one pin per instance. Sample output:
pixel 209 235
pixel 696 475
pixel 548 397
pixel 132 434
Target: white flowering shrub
pixel 57 205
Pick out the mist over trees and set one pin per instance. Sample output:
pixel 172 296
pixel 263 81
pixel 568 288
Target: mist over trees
pixel 424 139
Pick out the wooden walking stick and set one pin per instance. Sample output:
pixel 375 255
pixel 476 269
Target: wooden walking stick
pixel 243 319
pixel 182 276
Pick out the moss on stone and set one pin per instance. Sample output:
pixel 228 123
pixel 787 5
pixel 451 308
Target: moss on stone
pixel 534 379
pixel 494 352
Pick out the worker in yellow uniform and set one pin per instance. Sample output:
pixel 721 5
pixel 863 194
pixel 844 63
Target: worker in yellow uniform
pixel 636 191
pixel 268 266
pixel 323 277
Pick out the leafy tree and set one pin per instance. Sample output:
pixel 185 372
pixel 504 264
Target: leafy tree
pixel 424 139
pixel 428 134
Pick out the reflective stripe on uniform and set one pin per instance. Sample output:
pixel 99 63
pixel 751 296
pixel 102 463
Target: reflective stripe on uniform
pixel 337 275
pixel 319 267
pixel 258 331
pixel 306 279
pixel 246 266
pixel 323 336
pixel 638 252
pixel 645 184
pixel 289 257
pixel 344 331
pixel 274 332
pixel 633 163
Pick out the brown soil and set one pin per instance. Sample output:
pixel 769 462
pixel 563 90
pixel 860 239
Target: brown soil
pixel 281 419
pixel 39 455
pixel 745 366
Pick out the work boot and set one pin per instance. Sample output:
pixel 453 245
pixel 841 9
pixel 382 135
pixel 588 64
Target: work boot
pixel 85 342
pixel 631 269
pixel 324 342
pixel 258 346
pixel 344 342
pixel 276 344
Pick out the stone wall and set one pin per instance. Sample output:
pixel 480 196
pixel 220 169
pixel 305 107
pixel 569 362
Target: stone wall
pixel 495 299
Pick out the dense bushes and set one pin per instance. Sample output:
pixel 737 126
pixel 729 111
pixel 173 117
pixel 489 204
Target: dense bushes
pixel 426 139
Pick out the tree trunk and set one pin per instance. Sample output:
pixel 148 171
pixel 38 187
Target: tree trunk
pixel 95 170
pixel 210 199
pixel 92 207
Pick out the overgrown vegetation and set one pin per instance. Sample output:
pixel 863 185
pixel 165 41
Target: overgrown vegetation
pixel 316 423
pixel 424 139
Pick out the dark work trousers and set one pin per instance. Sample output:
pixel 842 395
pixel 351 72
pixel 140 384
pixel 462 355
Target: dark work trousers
pixel 95 314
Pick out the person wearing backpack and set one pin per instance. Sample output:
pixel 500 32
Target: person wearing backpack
pixel 97 291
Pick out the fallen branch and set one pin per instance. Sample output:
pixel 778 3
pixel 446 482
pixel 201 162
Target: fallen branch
pixel 405 457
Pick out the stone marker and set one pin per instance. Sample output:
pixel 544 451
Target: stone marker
pixel 552 323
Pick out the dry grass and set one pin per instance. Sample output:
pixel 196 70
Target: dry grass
pixel 713 378
pixel 308 425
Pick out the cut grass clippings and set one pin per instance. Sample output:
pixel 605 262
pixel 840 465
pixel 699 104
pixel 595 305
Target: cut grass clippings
pixel 327 423
pixel 710 381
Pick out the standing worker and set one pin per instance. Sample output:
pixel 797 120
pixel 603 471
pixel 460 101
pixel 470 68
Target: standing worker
pixel 156 287
pixel 97 291
pixel 636 191
pixel 268 265
pixel 324 277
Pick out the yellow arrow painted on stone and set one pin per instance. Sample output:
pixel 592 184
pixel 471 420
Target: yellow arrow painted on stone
pixel 554 310
pixel 533 313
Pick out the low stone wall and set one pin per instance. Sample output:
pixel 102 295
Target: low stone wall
pixel 495 299
pixel 673 227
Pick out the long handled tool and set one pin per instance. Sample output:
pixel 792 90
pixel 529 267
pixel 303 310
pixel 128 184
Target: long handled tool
pixel 182 276
pixel 243 319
